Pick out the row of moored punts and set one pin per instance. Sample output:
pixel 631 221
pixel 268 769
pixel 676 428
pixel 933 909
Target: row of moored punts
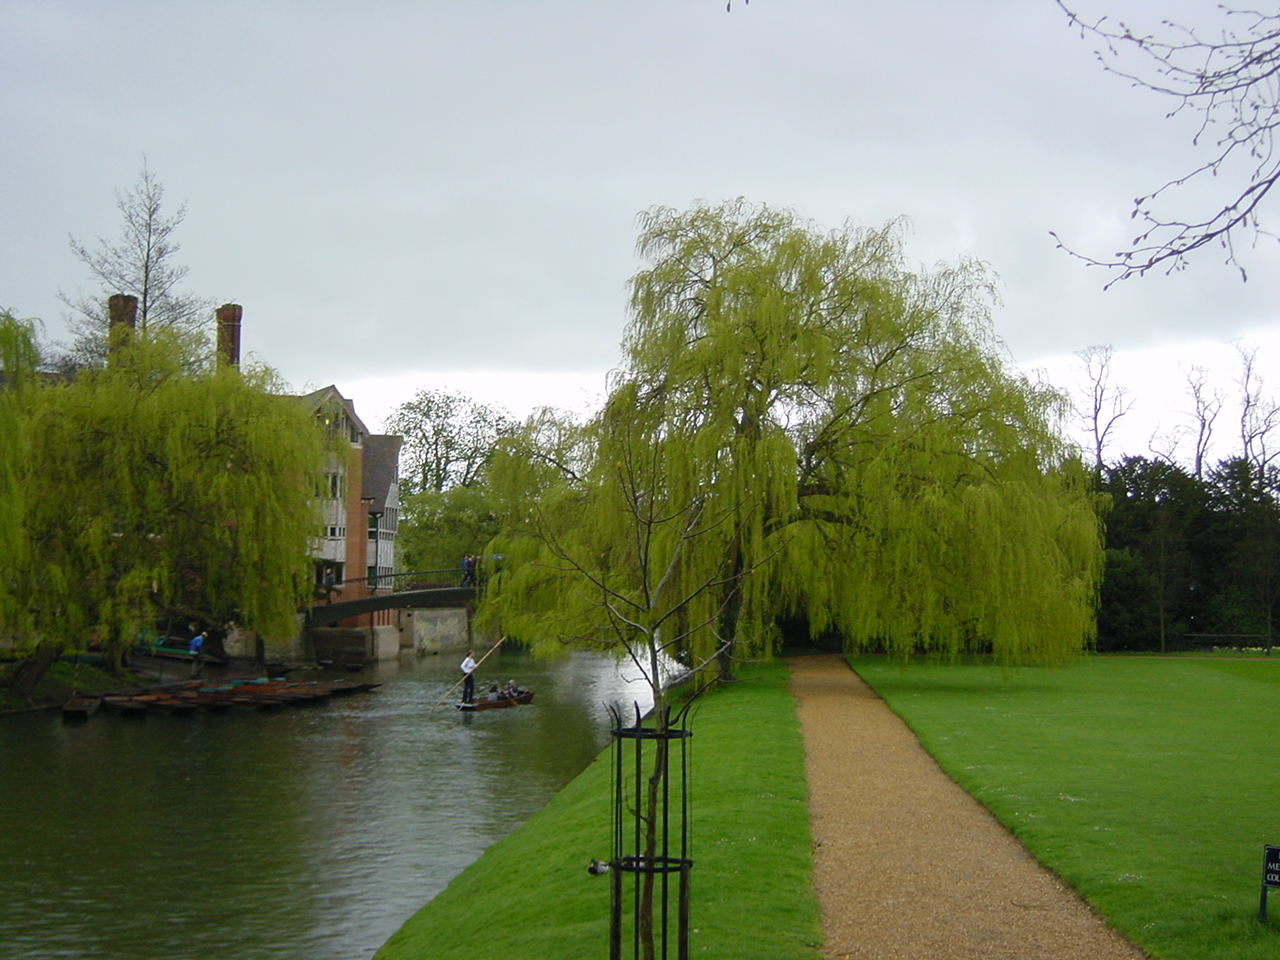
pixel 180 698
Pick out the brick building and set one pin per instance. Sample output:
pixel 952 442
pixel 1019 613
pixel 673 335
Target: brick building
pixel 355 554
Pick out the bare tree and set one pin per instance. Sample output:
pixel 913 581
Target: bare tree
pixel 1102 402
pixel 141 263
pixel 1230 76
pixel 1259 414
pixel 1207 404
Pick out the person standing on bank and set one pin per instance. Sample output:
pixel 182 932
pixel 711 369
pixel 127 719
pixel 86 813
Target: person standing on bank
pixel 468 678
pixel 196 649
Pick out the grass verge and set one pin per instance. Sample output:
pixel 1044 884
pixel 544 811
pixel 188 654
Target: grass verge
pixel 1149 785
pixel 530 895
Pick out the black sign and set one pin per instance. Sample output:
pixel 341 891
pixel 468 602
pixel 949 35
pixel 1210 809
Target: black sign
pixel 1271 866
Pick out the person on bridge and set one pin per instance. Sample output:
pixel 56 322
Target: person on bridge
pixel 468 678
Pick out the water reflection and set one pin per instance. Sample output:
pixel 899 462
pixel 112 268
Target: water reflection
pixel 310 831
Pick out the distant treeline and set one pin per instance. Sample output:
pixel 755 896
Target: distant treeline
pixel 1191 560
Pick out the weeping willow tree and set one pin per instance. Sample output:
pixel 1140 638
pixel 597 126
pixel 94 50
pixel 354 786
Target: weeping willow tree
pixel 154 493
pixel 19 357
pixel 805 425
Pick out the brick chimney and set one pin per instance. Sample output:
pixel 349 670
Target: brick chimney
pixel 229 333
pixel 122 318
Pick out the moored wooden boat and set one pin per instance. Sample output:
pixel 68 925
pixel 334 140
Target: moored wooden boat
pixel 178 704
pixel 81 708
pixel 252 694
pixel 126 706
pixel 524 696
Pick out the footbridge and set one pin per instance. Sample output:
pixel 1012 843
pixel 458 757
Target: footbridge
pixel 326 613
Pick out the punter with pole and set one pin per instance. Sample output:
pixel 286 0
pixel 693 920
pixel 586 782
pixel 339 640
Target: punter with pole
pixel 469 666
pixel 468 678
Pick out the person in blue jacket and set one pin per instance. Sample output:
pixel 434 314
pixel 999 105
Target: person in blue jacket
pixel 196 649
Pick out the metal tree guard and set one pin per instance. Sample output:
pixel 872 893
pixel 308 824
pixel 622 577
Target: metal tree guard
pixel 638 796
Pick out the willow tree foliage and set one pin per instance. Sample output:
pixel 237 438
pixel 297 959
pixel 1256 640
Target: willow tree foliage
pixel 806 425
pixel 153 494
pixel 19 358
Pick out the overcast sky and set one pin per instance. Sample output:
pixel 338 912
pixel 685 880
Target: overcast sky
pixel 410 194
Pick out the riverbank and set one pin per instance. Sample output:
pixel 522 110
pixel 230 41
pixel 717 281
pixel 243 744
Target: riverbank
pixel 62 682
pixel 66 679
pixel 530 895
pixel 69 677
pixel 899 860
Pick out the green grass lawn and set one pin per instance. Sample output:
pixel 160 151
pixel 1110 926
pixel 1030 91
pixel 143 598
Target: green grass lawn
pixel 530 896
pixel 1149 785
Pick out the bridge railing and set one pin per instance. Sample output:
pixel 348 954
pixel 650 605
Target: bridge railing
pixel 376 582
pixel 473 577
pixel 319 614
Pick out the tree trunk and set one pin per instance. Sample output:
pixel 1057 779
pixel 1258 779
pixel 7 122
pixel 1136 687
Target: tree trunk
pixel 31 671
pixel 1162 573
pixel 649 877
pixel 114 654
pixel 730 611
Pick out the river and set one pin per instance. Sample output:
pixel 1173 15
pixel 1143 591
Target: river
pixel 311 831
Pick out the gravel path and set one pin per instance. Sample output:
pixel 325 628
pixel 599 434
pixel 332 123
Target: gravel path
pixel 906 864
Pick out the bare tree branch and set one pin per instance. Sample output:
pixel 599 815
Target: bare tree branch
pixel 1103 402
pixel 1232 80
pixel 1259 414
pixel 1207 403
